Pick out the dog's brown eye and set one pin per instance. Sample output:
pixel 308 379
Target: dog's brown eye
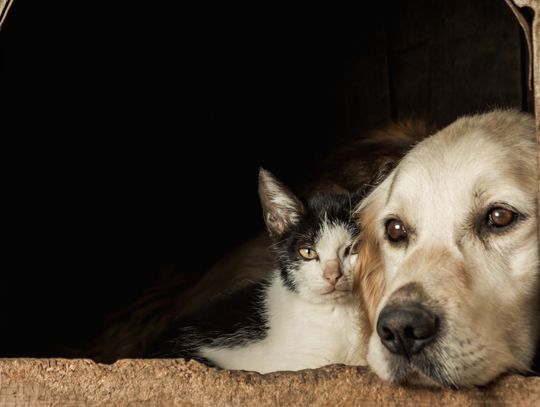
pixel 395 230
pixel 500 217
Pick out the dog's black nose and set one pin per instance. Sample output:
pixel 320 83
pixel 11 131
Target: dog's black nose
pixel 405 330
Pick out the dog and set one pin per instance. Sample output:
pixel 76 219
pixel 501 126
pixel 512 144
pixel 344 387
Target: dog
pixel 448 263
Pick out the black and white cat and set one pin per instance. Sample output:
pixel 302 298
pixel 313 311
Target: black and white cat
pixel 305 314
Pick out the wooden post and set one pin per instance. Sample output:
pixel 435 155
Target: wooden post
pixel 532 34
pixel 4 8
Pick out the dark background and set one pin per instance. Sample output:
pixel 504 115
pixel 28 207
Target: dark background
pixel 137 133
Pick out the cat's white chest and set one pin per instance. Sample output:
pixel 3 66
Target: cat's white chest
pixel 302 335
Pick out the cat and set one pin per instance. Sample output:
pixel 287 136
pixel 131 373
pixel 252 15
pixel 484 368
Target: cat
pixel 304 315
pixel 132 332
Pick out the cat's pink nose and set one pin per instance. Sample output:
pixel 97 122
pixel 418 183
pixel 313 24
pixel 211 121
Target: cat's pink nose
pixel 332 271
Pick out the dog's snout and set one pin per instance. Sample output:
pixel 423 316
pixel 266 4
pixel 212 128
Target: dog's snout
pixel 406 330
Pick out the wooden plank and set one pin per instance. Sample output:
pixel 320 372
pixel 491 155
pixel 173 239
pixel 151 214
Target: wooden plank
pixel 4 8
pixel 534 37
pixel 30 382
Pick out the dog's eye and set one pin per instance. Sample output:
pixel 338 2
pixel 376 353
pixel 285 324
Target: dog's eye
pixel 308 253
pixel 395 230
pixel 500 217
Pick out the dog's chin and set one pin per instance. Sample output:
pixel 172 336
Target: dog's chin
pixel 434 368
pixel 412 375
pixel 418 370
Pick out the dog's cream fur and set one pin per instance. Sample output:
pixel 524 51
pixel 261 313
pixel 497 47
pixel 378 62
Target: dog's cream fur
pixel 483 284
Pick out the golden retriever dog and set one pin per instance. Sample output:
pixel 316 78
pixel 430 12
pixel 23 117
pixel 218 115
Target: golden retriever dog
pixel 448 265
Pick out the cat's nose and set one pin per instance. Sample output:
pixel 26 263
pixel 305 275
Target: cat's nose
pixel 332 272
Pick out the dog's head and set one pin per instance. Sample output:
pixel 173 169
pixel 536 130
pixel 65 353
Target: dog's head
pixel 448 265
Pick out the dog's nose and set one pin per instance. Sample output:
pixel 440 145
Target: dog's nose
pixel 405 330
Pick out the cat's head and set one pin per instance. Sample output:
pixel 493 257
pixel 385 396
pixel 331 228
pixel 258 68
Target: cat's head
pixel 314 240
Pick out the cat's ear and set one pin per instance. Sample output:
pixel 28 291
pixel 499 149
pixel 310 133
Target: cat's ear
pixel 281 208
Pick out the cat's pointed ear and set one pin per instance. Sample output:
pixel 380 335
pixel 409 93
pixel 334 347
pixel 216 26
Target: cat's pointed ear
pixel 281 208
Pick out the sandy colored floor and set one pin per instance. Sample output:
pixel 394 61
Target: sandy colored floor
pixel 171 382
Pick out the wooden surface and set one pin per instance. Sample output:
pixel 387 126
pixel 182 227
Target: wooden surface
pixel 535 34
pixel 4 8
pixel 62 382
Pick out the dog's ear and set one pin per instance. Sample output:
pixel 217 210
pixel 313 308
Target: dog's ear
pixel 535 369
pixel 281 208
pixel 358 195
pixel 382 173
pixel 370 282
pixel 369 273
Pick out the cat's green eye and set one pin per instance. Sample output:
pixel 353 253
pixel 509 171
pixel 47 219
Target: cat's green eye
pixel 308 253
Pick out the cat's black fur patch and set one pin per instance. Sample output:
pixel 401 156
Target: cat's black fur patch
pixel 334 208
pixel 233 320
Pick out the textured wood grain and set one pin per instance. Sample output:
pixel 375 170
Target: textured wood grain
pixel 176 382
pixel 535 34
pixel 4 8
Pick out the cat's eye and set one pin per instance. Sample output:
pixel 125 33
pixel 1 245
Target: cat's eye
pixel 395 231
pixel 352 249
pixel 500 217
pixel 308 253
